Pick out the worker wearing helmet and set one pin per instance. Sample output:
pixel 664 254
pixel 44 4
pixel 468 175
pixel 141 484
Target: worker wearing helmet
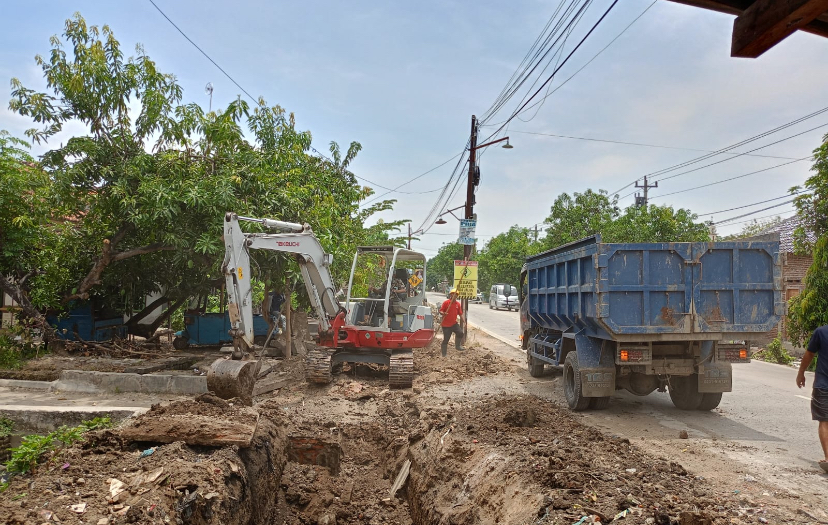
pixel 452 323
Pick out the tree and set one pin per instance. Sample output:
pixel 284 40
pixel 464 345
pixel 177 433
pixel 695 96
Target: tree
pixel 754 227
pixel 441 266
pixel 809 310
pixel 579 216
pixel 503 256
pixel 137 204
pixel 655 224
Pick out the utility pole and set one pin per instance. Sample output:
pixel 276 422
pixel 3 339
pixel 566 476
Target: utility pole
pixel 642 201
pixel 536 232
pixel 409 235
pixel 470 184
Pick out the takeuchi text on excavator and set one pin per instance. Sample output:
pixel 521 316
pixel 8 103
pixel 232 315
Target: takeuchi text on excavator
pixel 385 315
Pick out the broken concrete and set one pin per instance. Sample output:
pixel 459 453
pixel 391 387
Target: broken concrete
pixel 43 419
pixel 95 382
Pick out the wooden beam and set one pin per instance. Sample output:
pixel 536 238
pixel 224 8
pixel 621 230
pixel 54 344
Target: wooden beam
pixel 767 22
pixel 819 26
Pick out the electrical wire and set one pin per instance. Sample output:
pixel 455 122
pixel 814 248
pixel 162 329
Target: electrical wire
pixel 731 158
pixel 777 214
pixel 731 178
pixel 409 181
pixel 562 84
pixel 625 143
pixel 562 64
pixel 726 149
pixel 752 204
pixel 753 212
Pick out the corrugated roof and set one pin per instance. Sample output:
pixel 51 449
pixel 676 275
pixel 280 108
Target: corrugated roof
pixel 786 229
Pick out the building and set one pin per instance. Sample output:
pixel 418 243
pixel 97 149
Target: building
pixel 794 266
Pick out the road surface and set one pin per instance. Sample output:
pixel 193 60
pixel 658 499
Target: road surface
pixel 764 426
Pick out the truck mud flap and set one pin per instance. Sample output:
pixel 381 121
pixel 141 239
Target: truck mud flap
pixel 715 377
pixel 597 382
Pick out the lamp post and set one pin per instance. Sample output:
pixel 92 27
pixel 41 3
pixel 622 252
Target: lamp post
pixel 473 180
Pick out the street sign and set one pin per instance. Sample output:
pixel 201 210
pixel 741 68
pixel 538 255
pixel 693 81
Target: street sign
pixel 465 278
pixel 467 227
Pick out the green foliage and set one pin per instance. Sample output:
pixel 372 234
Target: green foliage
pixel 578 216
pixel 6 426
pixel 809 310
pixel 503 256
pixel 776 353
pixel 137 205
pixel 441 266
pixel 18 343
pixel 754 227
pixel 33 447
pixel 589 213
pixel 813 365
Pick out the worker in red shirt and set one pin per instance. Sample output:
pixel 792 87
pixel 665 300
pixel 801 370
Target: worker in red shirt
pixel 452 312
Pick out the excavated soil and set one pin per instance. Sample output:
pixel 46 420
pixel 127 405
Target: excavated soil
pixel 331 454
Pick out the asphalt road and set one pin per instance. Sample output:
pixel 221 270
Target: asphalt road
pixel 764 423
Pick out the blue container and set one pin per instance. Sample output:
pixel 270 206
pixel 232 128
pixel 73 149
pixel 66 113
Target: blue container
pixel 211 329
pixel 89 327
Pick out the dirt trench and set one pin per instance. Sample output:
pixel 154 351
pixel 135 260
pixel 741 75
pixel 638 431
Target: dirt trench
pixel 331 455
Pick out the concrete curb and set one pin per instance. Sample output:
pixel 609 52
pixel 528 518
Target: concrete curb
pixel 95 382
pixel 41 419
pixel 25 383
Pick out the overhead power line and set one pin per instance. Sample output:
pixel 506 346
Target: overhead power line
pixel 753 212
pixel 726 149
pixel 626 143
pixel 752 204
pixel 552 75
pixel 731 178
pixel 562 84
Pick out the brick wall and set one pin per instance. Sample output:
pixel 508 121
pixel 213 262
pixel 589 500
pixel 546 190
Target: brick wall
pixel 794 269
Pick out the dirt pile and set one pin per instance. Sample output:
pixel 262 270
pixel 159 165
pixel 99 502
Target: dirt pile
pixel 109 479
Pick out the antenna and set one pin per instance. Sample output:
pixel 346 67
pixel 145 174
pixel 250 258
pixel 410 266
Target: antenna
pixel 208 89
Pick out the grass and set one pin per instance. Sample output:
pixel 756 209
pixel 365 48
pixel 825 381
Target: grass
pixel 6 426
pixel 33 448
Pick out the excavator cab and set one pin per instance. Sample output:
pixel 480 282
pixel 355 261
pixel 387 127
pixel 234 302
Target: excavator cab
pixel 386 290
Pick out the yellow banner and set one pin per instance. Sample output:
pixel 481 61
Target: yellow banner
pixel 465 278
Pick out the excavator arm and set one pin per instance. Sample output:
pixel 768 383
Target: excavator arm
pixel 296 239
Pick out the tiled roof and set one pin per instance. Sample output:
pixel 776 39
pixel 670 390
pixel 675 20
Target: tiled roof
pixel 786 229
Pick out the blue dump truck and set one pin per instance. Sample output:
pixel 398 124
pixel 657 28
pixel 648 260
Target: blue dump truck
pixel 643 317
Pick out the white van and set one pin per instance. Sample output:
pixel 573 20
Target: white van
pixel 504 296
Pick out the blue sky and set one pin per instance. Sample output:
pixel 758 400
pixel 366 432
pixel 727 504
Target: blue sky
pixel 404 78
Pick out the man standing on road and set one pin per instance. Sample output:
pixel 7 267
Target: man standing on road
pixel 452 323
pixel 818 346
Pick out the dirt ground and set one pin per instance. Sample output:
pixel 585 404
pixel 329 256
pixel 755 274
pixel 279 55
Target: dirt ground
pixel 476 446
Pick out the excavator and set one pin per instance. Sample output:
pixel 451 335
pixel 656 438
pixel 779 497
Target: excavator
pixel 381 325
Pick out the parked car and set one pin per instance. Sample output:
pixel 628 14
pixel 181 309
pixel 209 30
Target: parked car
pixel 504 296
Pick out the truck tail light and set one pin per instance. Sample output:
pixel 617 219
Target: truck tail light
pixel 733 354
pixel 634 355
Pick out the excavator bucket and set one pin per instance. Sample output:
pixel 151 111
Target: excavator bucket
pixel 228 378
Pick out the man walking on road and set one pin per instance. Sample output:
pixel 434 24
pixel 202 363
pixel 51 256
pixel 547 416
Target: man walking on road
pixel 452 323
pixel 818 346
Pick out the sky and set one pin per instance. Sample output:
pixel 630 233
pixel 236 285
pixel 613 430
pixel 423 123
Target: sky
pixel 405 78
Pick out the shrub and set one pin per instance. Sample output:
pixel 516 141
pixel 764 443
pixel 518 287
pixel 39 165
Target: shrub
pixel 775 353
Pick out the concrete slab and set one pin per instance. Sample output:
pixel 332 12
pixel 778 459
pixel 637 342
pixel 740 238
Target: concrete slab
pixel 31 385
pixel 41 419
pixel 92 382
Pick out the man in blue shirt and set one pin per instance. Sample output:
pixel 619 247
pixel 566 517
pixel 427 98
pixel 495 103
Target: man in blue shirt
pixel 818 346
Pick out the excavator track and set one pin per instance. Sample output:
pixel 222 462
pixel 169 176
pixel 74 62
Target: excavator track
pixel 401 369
pixel 318 368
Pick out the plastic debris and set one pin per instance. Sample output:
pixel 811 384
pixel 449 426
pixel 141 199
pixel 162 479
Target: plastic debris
pixel 64 466
pixel 116 486
pixel 631 471
pixel 148 452
pixel 80 508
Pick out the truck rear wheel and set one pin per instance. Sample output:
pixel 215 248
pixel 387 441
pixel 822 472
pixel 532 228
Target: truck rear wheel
pixel 572 384
pixel 684 392
pixel 599 403
pixel 710 401
pixel 535 367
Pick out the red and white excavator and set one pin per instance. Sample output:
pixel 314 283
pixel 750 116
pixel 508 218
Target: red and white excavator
pixel 380 324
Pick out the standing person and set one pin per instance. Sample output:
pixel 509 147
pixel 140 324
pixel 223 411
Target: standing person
pixel 818 346
pixel 277 299
pixel 452 323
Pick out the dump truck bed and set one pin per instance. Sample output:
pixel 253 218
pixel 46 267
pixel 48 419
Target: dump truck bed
pixel 657 291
